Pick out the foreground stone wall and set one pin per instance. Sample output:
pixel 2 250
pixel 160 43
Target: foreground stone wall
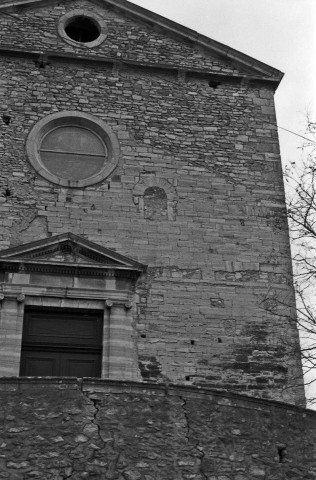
pixel 198 196
pixel 68 429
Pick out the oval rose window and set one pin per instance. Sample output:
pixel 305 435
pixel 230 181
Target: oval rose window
pixel 73 149
pixel 73 152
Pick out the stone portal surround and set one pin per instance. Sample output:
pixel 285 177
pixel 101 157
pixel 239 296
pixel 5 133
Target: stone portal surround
pixel 118 354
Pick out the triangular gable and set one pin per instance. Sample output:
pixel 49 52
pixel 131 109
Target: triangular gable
pixel 67 250
pixel 240 60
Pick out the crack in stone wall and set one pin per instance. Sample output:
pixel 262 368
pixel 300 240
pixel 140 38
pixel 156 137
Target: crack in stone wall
pixel 29 227
pixel 197 447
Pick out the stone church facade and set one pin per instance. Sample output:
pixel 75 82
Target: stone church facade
pixel 146 285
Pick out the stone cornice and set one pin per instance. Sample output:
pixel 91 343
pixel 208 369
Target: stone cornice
pixel 112 297
pixel 70 269
pixel 121 64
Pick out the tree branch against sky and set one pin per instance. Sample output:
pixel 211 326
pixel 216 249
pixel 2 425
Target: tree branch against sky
pixel 300 179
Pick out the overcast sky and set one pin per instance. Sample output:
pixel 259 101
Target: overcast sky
pixel 280 33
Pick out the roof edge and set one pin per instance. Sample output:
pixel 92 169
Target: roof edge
pixel 172 27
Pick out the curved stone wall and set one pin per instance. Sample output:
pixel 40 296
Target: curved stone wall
pixel 57 429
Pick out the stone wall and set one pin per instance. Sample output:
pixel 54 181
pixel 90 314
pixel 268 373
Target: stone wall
pixel 126 38
pixel 66 429
pixel 198 198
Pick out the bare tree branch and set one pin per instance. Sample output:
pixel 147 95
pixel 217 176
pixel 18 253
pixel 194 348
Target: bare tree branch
pixel 301 204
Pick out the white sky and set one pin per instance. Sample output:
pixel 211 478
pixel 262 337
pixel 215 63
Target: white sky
pixel 281 33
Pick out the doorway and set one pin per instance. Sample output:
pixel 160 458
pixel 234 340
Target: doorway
pixel 61 342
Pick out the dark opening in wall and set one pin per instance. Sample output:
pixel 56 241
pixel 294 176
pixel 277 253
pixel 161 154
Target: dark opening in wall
pixel 213 84
pixel 82 29
pixel 6 119
pixel 282 454
pixel 7 192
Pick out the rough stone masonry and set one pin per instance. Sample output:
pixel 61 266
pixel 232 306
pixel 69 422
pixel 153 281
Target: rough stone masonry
pixel 147 320
pixel 76 430
pixel 197 194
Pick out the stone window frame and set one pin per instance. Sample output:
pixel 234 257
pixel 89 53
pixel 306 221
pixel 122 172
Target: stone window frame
pixel 151 180
pixel 67 17
pixel 55 120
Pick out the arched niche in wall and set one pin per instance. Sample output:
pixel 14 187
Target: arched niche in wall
pixel 155 198
pixel 155 203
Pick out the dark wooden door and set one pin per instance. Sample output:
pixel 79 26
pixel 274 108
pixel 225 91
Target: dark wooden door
pixel 62 342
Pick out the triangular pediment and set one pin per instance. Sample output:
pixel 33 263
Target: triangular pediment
pixel 68 250
pixel 207 47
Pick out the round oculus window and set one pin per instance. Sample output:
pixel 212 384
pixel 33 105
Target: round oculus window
pixel 82 28
pixel 73 149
